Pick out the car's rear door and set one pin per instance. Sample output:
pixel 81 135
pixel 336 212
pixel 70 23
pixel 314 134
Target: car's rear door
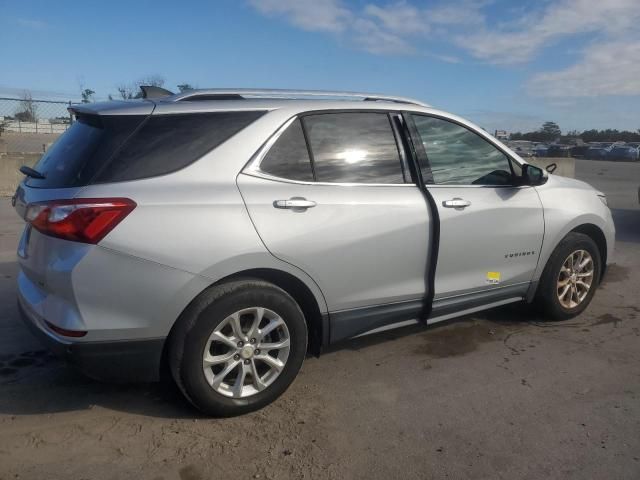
pixel 491 230
pixel 333 196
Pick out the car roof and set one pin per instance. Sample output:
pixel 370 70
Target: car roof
pixel 249 99
pixel 282 105
pixel 294 107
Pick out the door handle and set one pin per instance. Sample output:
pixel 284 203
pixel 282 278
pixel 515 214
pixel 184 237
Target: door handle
pixel 457 203
pixel 299 204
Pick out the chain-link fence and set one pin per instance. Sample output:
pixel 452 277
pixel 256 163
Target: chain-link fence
pixel 29 126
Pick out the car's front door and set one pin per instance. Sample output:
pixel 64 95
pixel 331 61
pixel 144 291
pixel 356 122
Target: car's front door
pixel 490 229
pixel 332 196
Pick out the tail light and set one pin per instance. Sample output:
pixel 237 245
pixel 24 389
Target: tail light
pixel 65 332
pixel 86 220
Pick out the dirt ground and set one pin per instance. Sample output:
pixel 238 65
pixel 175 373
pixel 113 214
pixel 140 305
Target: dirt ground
pixel 502 394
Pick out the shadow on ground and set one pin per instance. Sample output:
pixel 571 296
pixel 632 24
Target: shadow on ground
pixel 35 382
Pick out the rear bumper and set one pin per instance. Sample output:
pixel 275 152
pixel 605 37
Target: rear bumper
pixel 121 361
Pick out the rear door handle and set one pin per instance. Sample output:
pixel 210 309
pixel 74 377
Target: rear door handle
pixel 295 203
pixel 457 203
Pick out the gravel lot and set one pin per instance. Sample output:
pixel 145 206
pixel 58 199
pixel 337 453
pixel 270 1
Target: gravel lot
pixel 501 394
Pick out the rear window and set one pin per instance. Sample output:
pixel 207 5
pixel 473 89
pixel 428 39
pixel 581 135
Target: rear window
pixel 102 149
pixel 74 159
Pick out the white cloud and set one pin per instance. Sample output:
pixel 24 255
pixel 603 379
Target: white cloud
pixel 518 41
pixel 606 69
pixel 398 27
pixel 373 38
pixel 399 17
pixel 607 65
pixel 312 15
pixel 463 13
pixel 31 23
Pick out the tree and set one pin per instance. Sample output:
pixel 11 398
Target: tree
pixel 132 90
pixel 537 136
pixel 27 109
pixel 185 87
pixel 550 130
pixel 608 135
pixel 127 92
pixel 87 95
pixel 154 80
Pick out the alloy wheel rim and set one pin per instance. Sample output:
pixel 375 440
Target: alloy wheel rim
pixel 246 352
pixel 575 279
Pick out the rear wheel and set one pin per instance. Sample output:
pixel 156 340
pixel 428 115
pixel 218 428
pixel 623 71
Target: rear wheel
pixel 570 278
pixel 238 347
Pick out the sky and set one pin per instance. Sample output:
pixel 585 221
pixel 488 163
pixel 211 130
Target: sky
pixel 504 64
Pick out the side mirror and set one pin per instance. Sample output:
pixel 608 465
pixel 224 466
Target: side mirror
pixel 532 175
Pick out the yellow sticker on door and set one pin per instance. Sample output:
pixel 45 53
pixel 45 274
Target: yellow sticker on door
pixel 493 278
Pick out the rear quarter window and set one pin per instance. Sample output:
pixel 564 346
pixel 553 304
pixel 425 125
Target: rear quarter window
pixel 289 157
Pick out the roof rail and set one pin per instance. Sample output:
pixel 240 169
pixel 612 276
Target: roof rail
pixel 229 94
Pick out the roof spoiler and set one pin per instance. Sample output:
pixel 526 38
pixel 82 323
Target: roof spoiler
pixel 149 91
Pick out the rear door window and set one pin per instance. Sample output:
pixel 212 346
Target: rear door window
pixel 353 148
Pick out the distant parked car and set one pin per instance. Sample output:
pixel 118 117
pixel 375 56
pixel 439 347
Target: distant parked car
pixel 557 151
pixel 623 152
pixel 596 153
pixel 579 151
pixel 540 150
pixel 523 152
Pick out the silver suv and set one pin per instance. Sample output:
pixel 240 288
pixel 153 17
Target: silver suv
pixel 222 235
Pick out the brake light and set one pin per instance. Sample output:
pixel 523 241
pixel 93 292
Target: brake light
pixel 65 332
pixel 86 220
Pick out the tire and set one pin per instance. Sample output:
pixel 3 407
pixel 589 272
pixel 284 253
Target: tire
pixel 547 297
pixel 215 309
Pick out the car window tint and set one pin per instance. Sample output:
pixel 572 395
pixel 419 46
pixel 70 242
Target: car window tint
pixel 458 156
pixel 167 143
pixel 83 149
pixel 289 157
pixel 353 148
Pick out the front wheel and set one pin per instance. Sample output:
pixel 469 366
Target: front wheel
pixel 238 347
pixel 570 278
